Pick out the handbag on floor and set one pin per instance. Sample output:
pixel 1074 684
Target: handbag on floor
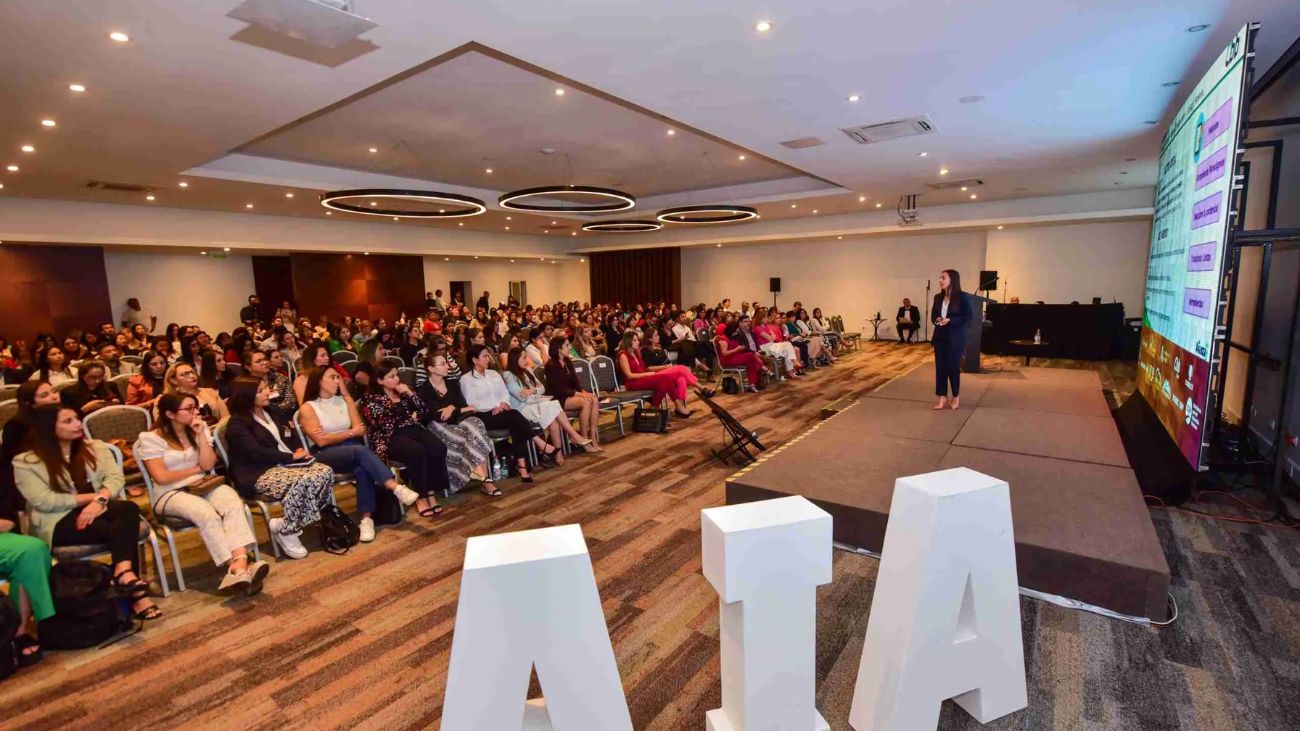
pixel 338 532
pixel 388 509
pixel 86 607
pixel 650 421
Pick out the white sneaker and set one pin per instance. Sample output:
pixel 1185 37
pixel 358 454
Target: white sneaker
pixel 367 530
pixel 405 495
pixel 289 543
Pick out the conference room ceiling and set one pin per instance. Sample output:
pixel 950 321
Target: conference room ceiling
pixel 445 91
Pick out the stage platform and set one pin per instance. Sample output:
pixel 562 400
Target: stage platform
pixel 1082 528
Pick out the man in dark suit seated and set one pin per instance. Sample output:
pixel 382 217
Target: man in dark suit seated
pixel 908 320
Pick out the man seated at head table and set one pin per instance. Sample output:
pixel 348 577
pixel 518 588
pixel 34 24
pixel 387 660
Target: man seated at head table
pixel 908 320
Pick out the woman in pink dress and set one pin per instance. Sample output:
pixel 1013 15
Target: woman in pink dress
pixel 669 381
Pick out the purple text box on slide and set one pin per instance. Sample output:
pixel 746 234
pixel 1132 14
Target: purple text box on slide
pixel 1197 302
pixel 1200 258
pixel 1212 168
pixel 1217 124
pixel 1206 211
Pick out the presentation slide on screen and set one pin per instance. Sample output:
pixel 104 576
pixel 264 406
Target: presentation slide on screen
pixel 1188 236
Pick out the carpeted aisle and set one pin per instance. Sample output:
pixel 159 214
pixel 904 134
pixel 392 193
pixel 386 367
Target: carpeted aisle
pixel 362 640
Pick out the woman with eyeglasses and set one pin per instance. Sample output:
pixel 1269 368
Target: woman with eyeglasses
pixel 183 378
pixel 178 455
pixel 73 488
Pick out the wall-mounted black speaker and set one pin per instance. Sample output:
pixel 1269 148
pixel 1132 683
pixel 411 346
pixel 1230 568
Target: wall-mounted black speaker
pixel 774 285
pixel 989 279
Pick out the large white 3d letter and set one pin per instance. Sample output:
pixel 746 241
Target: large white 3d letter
pixel 766 560
pixel 530 598
pixel 945 617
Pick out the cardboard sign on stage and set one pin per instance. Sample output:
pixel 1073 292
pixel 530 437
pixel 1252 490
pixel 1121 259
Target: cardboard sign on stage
pixel 945 618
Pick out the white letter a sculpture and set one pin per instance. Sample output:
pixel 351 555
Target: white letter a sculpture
pixel 945 617
pixel 530 598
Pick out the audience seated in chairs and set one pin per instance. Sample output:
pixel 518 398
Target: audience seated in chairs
pixel 469 448
pixel 144 388
pixel 395 419
pixel 689 347
pixel 562 382
pixel 771 340
pixel 335 431
pixel 92 391
pixel 52 367
pixel 178 455
pixel 738 349
pixel 668 382
pixel 214 374
pixel 317 355
pixel 72 486
pixel 25 564
pixel 110 354
pixel 489 400
pixel 268 462
pixel 183 378
pixel 528 396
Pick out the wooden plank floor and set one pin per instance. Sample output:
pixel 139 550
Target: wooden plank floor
pixel 362 640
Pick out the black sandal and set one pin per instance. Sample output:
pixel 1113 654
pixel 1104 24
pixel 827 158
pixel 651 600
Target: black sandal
pixel 27 659
pixel 133 590
pixel 148 613
pixel 432 510
pixel 491 490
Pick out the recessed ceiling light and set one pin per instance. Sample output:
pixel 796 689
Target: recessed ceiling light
pixel 28 148
pixel 365 253
pixel 943 171
pixel 248 205
pixel 841 238
pixel 815 211
pixel 329 213
pixel 719 245
pixel 476 257
pixel 509 218
pixel 149 198
pixel 226 248
pixel 973 98
pixel 48 123
pixel 2 186
pixel 183 184
pixel 119 36
pixel 741 157
pixel 794 205
pixel 763 26
pixel 553 223
pixel 1196 28
pixel 877 205
pixel 507 228
pixel 973 196
pixel 77 88
pixel 559 92
pixel 12 168
pixel 964 189
pixel 203 253
pixel 446 258
pixel 862 199
pixel 922 154
pixel 462 223
pixel 854 97
pixel 395 218
pixel 488 171
pixel 543 258
pixel 374 150
pixel 575 233
pixel 373 203
pixel 999 228
pixel 512 261
pixel 672 132
pixel 288 195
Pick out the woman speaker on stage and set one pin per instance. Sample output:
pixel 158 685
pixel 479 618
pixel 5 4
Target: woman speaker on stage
pixel 951 312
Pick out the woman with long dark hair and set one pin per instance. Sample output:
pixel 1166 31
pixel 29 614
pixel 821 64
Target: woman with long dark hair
pixel 562 381
pixel 487 398
pixel 73 487
pixel 951 312
pixel 52 367
pixel 178 455
pixel 317 355
pixel 143 388
pixel 468 446
pixel 395 418
pixel 669 382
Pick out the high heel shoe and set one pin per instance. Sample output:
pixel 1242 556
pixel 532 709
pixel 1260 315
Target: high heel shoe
pixel 580 442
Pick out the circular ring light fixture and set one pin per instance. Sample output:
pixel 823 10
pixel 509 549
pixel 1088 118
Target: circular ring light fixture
pixel 623 226
pixel 707 214
pixel 462 206
pixel 613 200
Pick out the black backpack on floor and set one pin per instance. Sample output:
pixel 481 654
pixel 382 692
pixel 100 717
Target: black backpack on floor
pixel 338 532
pixel 10 621
pixel 388 509
pixel 87 611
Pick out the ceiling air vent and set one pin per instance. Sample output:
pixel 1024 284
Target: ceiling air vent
pixel 803 142
pixel 869 134
pixel 118 187
pixel 955 184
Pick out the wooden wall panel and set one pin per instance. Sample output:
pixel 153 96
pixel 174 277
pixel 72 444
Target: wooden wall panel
pixel 52 289
pixel 273 283
pixel 363 286
pixel 640 275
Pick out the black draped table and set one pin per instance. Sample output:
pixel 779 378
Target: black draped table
pixel 1086 332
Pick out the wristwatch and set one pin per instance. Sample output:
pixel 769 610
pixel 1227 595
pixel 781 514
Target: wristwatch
pixel 103 501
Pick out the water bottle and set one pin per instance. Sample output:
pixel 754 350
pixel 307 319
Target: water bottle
pixel 495 470
pixel 1038 337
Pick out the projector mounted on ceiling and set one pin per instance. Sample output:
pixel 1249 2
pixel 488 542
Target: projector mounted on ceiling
pixel 869 134
pixel 326 23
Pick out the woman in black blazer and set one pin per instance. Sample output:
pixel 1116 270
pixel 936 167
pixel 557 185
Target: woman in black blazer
pixel 268 461
pixel 951 312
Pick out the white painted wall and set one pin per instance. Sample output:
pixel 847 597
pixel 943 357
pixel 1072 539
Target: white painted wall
pixel 566 280
pixel 187 289
pixel 1072 262
pixel 854 278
